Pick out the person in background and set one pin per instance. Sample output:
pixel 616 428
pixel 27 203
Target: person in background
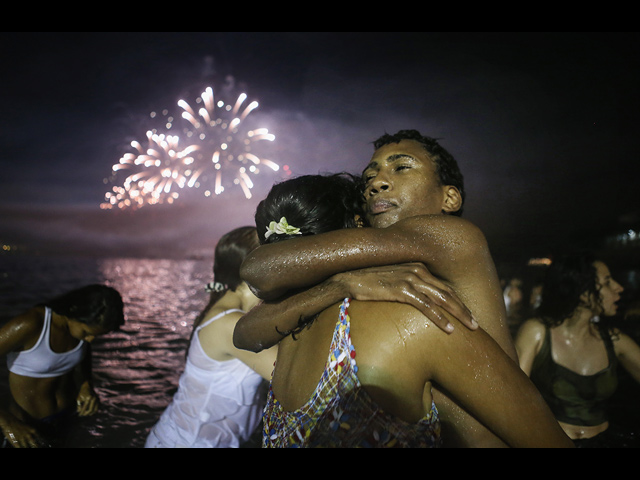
pixel 535 297
pixel 361 374
pixel 513 299
pixel 220 394
pixel 49 363
pixel 414 194
pixel 570 353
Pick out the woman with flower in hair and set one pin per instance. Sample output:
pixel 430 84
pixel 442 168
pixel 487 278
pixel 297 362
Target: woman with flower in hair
pixel 220 394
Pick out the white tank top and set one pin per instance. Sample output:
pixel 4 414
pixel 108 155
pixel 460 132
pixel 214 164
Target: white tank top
pixel 42 362
pixel 218 404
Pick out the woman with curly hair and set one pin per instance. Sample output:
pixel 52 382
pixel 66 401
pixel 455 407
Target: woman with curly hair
pixel 571 355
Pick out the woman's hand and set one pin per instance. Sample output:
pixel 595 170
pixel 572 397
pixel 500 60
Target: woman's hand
pixel 410 283
pixel 87 400
pixel 19 434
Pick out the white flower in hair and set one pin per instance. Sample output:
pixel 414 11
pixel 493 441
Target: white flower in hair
pixel 281 228
pixel 214 287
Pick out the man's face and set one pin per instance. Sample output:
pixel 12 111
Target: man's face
pixel 401 182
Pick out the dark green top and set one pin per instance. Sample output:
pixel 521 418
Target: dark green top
pixel 573 398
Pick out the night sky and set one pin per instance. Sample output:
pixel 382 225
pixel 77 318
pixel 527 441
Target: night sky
pixel 545 127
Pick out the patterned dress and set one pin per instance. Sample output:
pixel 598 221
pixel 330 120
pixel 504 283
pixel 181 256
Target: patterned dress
pixel 340 413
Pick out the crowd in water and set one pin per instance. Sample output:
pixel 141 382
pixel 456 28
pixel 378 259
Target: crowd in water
pixel 522 294
pixel 362 303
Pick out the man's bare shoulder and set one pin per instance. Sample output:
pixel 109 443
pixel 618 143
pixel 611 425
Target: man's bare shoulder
pixel 452 231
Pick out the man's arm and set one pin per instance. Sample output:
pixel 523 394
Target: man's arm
pixel 491 387
pixel 438 241
pixel 412 284
pixel 453 249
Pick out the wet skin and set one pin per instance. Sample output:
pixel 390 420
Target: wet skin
pixel 576 343
pixel 406 202
pixel 33 399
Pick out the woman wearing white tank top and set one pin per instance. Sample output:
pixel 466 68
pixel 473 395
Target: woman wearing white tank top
pixel 48 362
pixel 220 398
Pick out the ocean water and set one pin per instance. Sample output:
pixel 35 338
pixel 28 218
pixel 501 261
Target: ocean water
pixel 136 369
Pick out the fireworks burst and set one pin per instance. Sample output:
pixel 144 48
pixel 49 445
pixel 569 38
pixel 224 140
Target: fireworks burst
pixel 217 153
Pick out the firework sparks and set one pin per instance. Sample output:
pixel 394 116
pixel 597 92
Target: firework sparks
pixel 218 154
pixel 222 145
pixel 153 172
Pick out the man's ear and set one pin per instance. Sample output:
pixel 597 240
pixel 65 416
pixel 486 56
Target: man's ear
pixel 452 199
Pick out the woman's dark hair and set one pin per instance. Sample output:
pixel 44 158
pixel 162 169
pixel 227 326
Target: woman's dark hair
pixel 566 279
pixel 313 203
pixel 231 250
pixel 93 305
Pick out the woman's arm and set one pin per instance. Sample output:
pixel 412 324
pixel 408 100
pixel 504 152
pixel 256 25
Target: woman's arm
pixel 18 433
pixel 628 353
pixel 14 335
pixel 87 399
pixel 412 284
pixel 528 343
pixel 19 332
pixel 443 243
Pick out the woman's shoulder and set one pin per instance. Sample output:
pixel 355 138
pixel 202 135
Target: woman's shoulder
pixel 532 329
pixel 216 332
pixel 220 318
pixel 396 325
pixel 24 329
pixel 391 323
pixel 533 324
pixel 31 319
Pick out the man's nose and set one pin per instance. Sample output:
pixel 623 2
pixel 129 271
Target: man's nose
pixel 378 184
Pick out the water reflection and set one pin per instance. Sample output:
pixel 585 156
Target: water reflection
pixel 136 369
